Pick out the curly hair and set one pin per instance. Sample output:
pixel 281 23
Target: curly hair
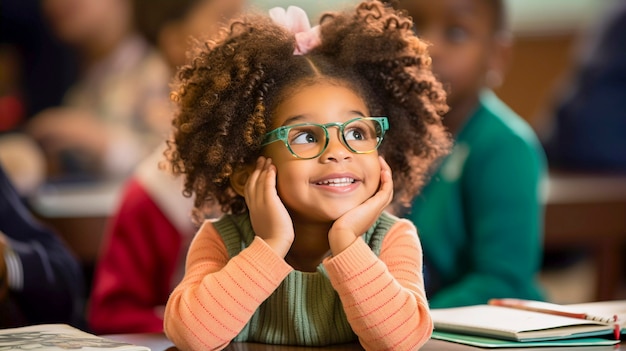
pixel 227 93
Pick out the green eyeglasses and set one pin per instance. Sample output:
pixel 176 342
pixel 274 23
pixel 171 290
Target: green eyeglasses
pixel 360 135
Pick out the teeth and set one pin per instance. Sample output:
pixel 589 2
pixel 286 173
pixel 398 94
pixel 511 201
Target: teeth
pixel 337 182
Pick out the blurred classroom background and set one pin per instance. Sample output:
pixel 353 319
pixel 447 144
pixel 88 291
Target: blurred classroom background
pixel 547 40
pixel 586 213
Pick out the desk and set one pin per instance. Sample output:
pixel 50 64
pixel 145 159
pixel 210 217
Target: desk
pixel 158 342
pixel 589 210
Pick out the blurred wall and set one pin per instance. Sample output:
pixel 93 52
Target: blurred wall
pixel 314 8
pixel 546 38
pixel 539 17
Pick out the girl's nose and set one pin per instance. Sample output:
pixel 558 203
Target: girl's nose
pixel 335 151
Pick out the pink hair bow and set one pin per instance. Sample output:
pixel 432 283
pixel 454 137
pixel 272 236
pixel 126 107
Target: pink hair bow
pixel 297 22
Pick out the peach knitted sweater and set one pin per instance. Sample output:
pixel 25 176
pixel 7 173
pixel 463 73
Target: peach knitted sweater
pixel 382 296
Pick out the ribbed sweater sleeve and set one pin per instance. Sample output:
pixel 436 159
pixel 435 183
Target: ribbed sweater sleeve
pixel 232 288
pixel 392 282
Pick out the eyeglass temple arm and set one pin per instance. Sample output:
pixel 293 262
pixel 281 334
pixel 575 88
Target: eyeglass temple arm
pixel 384 121
pixel 275 135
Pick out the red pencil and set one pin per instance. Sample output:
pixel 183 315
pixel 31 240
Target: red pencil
pixel 617 330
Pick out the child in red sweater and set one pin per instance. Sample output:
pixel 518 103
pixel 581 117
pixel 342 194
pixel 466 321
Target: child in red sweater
pixel 143 253
pixel 294 132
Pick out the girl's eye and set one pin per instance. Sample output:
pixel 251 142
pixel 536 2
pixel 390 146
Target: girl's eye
pixel 354 134
pixel 304 138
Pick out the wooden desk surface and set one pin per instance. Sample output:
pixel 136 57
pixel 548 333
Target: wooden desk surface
pixel 158 342
pixel 568 187
pixel 580 206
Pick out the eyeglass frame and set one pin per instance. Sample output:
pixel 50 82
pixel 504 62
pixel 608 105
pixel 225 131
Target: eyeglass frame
pixel 282 133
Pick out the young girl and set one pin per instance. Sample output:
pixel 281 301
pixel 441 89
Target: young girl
pixel 285 130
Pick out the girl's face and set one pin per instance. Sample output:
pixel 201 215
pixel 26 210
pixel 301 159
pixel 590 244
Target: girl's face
pixel 325 187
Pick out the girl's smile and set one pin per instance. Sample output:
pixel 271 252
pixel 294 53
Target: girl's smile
pixel 338 183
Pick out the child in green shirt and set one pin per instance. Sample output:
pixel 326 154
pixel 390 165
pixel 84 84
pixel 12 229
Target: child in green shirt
pixel 480 217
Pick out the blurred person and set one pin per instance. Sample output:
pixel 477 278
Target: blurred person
pixel 143 251
pixel 11 101
pixel 28 49
pixel 40 280
pixel 480 217
pixel 142 258
pixel 589 124
pixel 20 156
pixel 33 49
pixel 111 118
pixel 23 163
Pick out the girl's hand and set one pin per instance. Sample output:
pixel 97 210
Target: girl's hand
pixel 355 222
pixel 269 217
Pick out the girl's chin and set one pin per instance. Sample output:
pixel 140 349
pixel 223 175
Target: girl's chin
pixel 323 210
pixel 328 214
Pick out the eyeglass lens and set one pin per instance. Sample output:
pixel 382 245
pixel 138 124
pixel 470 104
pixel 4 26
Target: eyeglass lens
pixel 360 136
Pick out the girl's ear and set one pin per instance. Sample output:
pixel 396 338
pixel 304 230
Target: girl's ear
pixel 239 178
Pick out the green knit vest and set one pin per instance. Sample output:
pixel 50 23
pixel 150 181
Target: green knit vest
pixel 304 309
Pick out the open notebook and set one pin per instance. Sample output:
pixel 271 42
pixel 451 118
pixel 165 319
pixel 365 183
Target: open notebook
pixel 522 326
pixel 604 308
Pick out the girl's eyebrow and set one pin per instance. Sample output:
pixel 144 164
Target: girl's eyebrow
pixel 303 118
pixel 292 120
